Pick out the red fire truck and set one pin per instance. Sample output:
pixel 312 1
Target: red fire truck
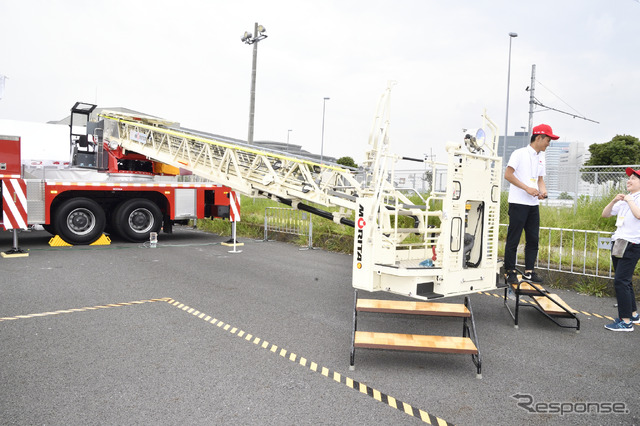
pixel 103 189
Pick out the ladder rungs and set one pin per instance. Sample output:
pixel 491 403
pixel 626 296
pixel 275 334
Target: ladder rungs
pixel 408 231
pixel 415 342
pixel 412 308
pixel 551 308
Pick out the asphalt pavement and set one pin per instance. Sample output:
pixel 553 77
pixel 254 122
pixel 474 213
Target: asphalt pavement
pixel 189 332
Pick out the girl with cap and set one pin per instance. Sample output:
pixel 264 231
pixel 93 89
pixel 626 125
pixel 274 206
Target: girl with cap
pixel 625 251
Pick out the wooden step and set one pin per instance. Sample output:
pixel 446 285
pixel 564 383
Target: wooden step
pixel 551 308
pixel 415 342
pixel 529 288
pixel 412 308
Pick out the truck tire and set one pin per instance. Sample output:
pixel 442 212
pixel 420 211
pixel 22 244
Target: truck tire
pixel 79 221
pixel 135 219
pixel 50 229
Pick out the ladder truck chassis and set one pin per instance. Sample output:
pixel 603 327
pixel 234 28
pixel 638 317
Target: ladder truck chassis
pixel 104 190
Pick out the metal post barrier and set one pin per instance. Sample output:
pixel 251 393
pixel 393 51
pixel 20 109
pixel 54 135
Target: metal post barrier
pixel 288 221
pixel 233 236
pixel 579 258
pixel 266 237
pixel 310 232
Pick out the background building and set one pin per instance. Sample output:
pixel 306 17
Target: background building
pixel 564 160
pixel 517 140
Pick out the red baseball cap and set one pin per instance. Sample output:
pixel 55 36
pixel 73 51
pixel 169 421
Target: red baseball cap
pixel 544 129
pixel 630 171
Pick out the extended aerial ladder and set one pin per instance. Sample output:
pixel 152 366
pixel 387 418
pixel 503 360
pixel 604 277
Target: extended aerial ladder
pixel 444 247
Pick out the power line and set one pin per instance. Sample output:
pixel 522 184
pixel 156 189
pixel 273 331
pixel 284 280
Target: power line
pixel 537 102
pixel 534 101
pixel 562 100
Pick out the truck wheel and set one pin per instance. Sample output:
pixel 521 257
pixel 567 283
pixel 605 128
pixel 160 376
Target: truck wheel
pixel 135 219
pixel 50 229
pixel 79 221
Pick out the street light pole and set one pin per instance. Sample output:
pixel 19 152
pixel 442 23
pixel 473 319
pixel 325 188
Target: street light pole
pixel 248 38
pixel 506 120
pixel 288 132
pixel 324 103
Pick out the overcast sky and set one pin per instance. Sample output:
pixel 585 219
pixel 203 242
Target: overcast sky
pixel 184 61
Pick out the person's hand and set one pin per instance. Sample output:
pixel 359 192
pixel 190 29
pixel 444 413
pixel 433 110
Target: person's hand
pixel 619 197
pixel 532 191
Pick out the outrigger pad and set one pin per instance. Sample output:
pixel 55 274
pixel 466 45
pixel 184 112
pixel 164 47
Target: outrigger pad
pixel 230 243
pixel 14 253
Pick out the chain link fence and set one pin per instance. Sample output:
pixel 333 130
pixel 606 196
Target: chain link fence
pixel 565 184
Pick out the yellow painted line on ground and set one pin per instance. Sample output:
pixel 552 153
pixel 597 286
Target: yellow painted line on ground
pixel 332 375
pixel 87 308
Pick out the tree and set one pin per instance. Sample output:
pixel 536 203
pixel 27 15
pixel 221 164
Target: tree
pixel 621 150
pixel 565 196
pixel 347 161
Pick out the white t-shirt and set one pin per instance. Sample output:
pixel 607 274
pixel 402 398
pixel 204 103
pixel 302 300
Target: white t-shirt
pixel 627 226
pixel 528 166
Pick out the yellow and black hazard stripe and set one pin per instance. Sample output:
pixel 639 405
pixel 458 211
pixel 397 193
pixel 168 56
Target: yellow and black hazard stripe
pixel 87 308
pixel 313 366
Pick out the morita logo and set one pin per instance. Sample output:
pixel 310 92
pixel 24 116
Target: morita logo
pixel 360 232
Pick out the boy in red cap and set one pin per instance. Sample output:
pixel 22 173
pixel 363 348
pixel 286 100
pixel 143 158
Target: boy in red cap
pixel 625 251
pixel 525 172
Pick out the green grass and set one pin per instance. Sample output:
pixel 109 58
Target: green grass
pixel 592 287
pixel 587 215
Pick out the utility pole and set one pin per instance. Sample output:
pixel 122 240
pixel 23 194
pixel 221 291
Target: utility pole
pixel 533 101
pixel 532 89
pixel 248 38
pixel 506 119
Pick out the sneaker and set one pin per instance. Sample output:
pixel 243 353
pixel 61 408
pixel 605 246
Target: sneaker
pixel 512 277
pixel 532 277
pixel 619 325
pixel 635 319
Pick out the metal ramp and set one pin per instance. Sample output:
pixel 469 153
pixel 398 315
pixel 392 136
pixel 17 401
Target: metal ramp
pixel 548 304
